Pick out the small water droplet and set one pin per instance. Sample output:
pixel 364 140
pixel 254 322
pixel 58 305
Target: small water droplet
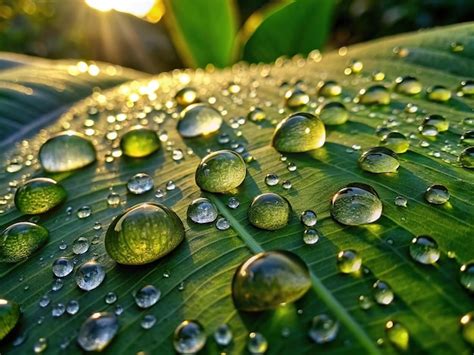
pixel 365 302
pixel 140 183
pixel 396 141
pixel 222 224
pixel 223 335
pixel 397 334
pixel 466 158
pixel 84 212
pixel 329 88
pixel 333 113
pixel 467 327
pixel 89 275
pixel 147 296
pixel 424 250
pixel 201 211
pixel 233 203
pixel 40 345
pixel 379 160
pixel 62 267
pixel 401 201
pixel 374 95
pixel 189 337
pixel 72 307
pixel 437 194
pixel 383 294
pixel 256 343
pixel 186 96
pixel 148 321
pixel 438 93
pixel 311 236
pixel 269 211
pixel 272 179
pixel 97 331
pixel 139 142
pixel 199 120
pixel 110 297
pixel 9 316
pixel 323 329
pixel 349 261
pixel 58 310
pixel 296 99
pixel 80 246
pixel 308 218
pixel 467 276
pixel 408 85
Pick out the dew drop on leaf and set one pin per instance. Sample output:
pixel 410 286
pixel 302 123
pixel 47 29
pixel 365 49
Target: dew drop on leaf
pixel 467 87
pixel 437 194
pixel 269 211
pixel 148 321
pixel 333 113
pixel 383 293
pixel 466 158
pixel 110 297
pixel 9 316
pixel 424 250
pixel 374 95
pixel 272 179
pixel 397 335
pixel 356 204
pixel 40 345
pixel 189 337
pixel 65 152
pixel 62 267
pixel 223 335
pixel 199 120
pixel 396 141
pixel 348 261
pixel 467 327
pixel 296 99
pixel 222 224
pixel 438 121
pixel 186 96
pixel 139 142
pixel 323 329
pixel 379 160
pixel 467 276
pixel 257 343
pixel 408 85
pixel 269 279
pixel 201 211
pixel 308 218
pixel 256 115
pixel 89 275
pixel 20 240
pixel 329 88
pixel 39 195
pixel 80 246
pixel 140 183
pixel 311 236
pixel 147 296
pixel 72 307
pixel 98 331
pixel 84 212
pixel 438 93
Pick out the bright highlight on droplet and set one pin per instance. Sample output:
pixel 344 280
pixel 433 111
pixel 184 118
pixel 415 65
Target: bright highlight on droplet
pixel 151 10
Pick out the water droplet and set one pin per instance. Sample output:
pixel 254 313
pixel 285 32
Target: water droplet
pixel 256 343
pixel 186 96
pixel 308 218
pixel 323 329
pixel 44 301
pixel 348 261
pixel 58 310
pixel 396 141
pixel 291 166
pixel 20 240
pixel 397 334
pixel 286 184
pixel 467 276
pixel 221 171
pixel 233 203
pixel 62 267
pixel 140 183
pixel 97 331
pixel 189 337
pixel 110 297
pixel 467 327
pixel 9 316
pixel 296 99
pixel 456 47
pixel 438 93
pixel 379 160
pixel 437 194
pixel 118 310
pixel 90 275
pixel 329 88
pixel 57 285
pixel 272 179
pixel 299 132
pixel 333 113
pixel 66 151
pixel 467 87
pixel 356 66
pixel 269 211
pixel 269 279
pixel 40 345
pixel 80 246
pixel 311 236
pixel 177 155
pixel 72 307
pixel 256 115
pixel 199 120
pixel 466 158
pixel 84 212
pixel 401 201
pixel 356 204
pixel 39 195
pixel 223 335
pixel 170 185
pixel 437 121
pixel 143 233
pixel 365 302
pixel 201 211
pixel 383 294
pixel 374 95
pixel 148 321
pixel 424 249
pixel 222 224
pixel 147 296
pixel 139 142
pixel 468 138
pixel 408 85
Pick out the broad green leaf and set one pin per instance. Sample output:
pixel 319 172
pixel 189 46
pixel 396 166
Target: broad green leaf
pixel 203 30
pixel 34 92
pixel 195 278
pixel 293 27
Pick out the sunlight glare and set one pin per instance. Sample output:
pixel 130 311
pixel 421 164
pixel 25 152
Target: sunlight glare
pixel 139 8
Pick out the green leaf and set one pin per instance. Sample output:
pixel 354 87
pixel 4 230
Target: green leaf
pixel 203 31
pixel 429 300
pixel 294 27
pixel 34 92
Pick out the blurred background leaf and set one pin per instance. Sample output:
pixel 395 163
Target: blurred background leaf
pixel 289 28
pixel 203 30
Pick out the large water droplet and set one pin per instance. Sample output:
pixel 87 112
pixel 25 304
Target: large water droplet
pixel 147 296
pixel 323 329
pixel 140 183
pixel 408 85
pixel 424 249
pixel 221 171
pixel 97 331
pixel 139 142
pixel 397 334
pixel 437 194
pixel 20 240
pixel 39 195
pixel 396 141
pixel 268 279
pixel 90 275
pixel 466 158
pixel 356 204
pixel 66 151
pixel 143 233
pixel 333 113
pixel 256 343
pixel 199 120
pixel 9 316
pixel 379 160
pixel 299 132
pixel 202 210
pixel 349 261
pixel 374 95
pixel 467 276
pixel 438 93
pixel 189 337
pixel 62 267
pixel 269 211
